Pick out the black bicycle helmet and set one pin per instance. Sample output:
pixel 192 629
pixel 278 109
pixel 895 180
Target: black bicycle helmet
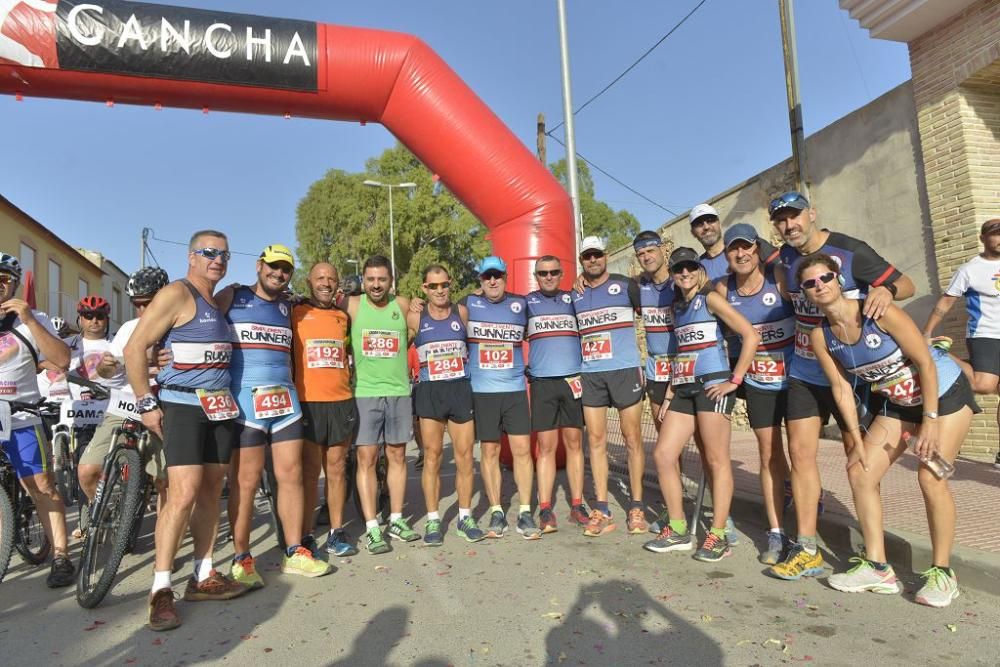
pixel 146 282
pixel 9 264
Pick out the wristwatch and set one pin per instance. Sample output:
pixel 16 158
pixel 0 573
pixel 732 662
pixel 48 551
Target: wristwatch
pixel 930 415
pixel 146 403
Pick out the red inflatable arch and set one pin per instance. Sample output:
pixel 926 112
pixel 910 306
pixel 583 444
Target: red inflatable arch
pixel 137 53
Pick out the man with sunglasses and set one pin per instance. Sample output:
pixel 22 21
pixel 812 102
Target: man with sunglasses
pixel 707 228
pixel 27 338
pixel 612 377
pixel 495 324
pixel 443 398
pixel 193 415
pixel 556 390
pixel 259 318
pixel 866 275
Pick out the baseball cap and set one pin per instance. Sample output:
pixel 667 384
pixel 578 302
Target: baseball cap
pixel 991 226
pixel 700 210
pixel 683 255
pixel 491 263
pixel 592 243
pixel 277 253
pixel 740 232
pixel 791 199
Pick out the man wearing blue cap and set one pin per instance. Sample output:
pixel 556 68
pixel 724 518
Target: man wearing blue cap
pixel 495 326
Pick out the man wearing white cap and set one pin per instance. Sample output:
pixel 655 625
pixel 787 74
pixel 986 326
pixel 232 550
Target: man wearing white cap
pixel 707 228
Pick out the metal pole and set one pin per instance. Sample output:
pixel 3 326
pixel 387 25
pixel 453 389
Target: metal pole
pixel 392 240
pixel 792 90
pixel 574 191
pixel 142 248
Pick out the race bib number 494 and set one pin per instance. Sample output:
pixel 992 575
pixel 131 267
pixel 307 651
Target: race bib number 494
pixel 324 353
pixel 272 401
pixel 378 343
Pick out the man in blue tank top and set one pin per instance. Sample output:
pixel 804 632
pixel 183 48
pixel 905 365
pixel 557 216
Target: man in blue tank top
pixel 707 228
pixel 193 417
pixel 810 401
pixel 556 388
pixel 495 323
pixel 270 415
pixel 612 377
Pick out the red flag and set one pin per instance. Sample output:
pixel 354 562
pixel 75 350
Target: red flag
pixel 29 289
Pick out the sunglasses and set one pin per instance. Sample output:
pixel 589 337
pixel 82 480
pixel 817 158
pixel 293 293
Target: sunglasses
pixel 704 220
pixel 690 267
pixel 212 254
pixel 93 316
pixel 813 282
pixel 785 200
pixel 284 267
pixel 555 273
pixel 491 275
pixel 7 279
pixel 592 254
pixel 436 286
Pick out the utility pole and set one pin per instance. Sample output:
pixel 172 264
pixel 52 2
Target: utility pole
pixel 142 248
pixel 792 90
pixel 574 190
pixel 541 139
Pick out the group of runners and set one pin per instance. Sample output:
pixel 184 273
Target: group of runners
pixel 801 334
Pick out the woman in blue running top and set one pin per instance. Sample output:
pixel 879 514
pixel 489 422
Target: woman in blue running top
pixel 701 396
pixel 913 389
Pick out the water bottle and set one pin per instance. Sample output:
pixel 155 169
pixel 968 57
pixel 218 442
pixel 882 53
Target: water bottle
pixel 941 468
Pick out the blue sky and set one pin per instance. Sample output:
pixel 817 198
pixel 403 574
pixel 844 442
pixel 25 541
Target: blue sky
pixel 704 111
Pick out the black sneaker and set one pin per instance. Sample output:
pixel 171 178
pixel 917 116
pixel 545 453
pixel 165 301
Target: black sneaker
pixel 62 573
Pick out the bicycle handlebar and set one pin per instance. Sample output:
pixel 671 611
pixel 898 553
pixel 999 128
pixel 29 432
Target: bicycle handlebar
pixel 100 391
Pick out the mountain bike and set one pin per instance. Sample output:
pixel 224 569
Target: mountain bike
pixel 78 420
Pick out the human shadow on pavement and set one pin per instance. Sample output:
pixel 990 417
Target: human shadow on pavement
pixel 374 644
pixel 617 622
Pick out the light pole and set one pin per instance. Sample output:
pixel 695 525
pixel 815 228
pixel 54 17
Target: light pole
pixel 356 263
pixel 392 234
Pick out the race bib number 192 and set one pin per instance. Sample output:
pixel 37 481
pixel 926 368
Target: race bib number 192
pixel 324 353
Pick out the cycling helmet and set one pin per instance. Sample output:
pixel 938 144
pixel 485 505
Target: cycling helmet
pixel 146 282
pixel 9 264
pixel 351 286
pixel 57 323
pixel 93 304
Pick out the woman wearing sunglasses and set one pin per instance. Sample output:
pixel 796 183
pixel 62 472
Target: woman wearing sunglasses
pixel 702 387
pixel 913 389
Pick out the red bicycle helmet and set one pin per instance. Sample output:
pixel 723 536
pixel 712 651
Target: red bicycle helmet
pixel 93 304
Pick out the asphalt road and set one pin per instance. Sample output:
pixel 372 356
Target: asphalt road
pixel 562 600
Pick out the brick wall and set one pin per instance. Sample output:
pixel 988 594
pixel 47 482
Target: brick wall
pixel 956 88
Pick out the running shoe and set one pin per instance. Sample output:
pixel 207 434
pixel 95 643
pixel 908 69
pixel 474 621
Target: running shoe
pixel 942 343
pixel 579 514
pixel 636 521
pixel 401 530
pixel 432 533
pixel 547 521
pixel 244 571
pixel 526 527
pixel 797 564
pixel 376 542
pixel 865 577
pixel 303 564
pixel 337 544
pixel 713 549
pixel 468 529
pixel 498 525
pixel 599 524
pixel 61 574
pixel 668 540
pixel 162 615
pixel 309 542
pixel 216 587
pixel 777 549
pixel 939 588
pixel 732 537
pixel 660 522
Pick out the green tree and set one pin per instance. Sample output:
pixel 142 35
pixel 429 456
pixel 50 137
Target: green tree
pixel 599 219
pixel 340 219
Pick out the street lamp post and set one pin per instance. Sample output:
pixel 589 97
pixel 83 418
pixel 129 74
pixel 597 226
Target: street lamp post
pixel 392 234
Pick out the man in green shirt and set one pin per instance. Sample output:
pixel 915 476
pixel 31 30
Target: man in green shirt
pixel 379 338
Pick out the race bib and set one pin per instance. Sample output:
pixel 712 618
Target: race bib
pixel 901 388
pixel 122 404
pixel 661 368
pixel 446 365
pixel 767 367
pixel 77 414
pixel 379 343
pixel 682 367
pixel 596 346
pixel 324 353
pixel 5 427
pixel 803 345
pixel 218 405
pixel 575 385
pixel 272 401
pixel 496 356
pixel 8 388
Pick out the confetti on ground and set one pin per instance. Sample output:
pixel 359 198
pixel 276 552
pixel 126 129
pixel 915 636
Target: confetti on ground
pixel 952 627
pixel 706 618
pixel 381 568
pixel 554 615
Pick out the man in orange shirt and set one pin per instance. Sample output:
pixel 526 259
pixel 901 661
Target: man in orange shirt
pixel 320 339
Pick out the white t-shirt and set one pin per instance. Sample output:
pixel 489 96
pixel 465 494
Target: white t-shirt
pixel 978 280
pixel 18 376
pixel 87 354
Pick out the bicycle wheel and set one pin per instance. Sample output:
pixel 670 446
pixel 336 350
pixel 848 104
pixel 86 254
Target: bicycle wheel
pixel 269 485
pixel 6 531
pixel 30 540
pixel 65 477
pixel 111 523
pixel 140 514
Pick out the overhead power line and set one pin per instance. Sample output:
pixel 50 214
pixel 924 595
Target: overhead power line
pixel 234 252
pixel 631 67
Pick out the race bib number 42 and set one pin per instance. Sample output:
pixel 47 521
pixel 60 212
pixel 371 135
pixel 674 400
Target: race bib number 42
pixel 596 346
pixel 272 401
pixel 901 388
pixel 324 353
pixel 496 356
pixel 378 343
pixel 218 405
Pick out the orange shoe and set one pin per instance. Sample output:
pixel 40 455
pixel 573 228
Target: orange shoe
pixel 636 521
pixel 599 524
